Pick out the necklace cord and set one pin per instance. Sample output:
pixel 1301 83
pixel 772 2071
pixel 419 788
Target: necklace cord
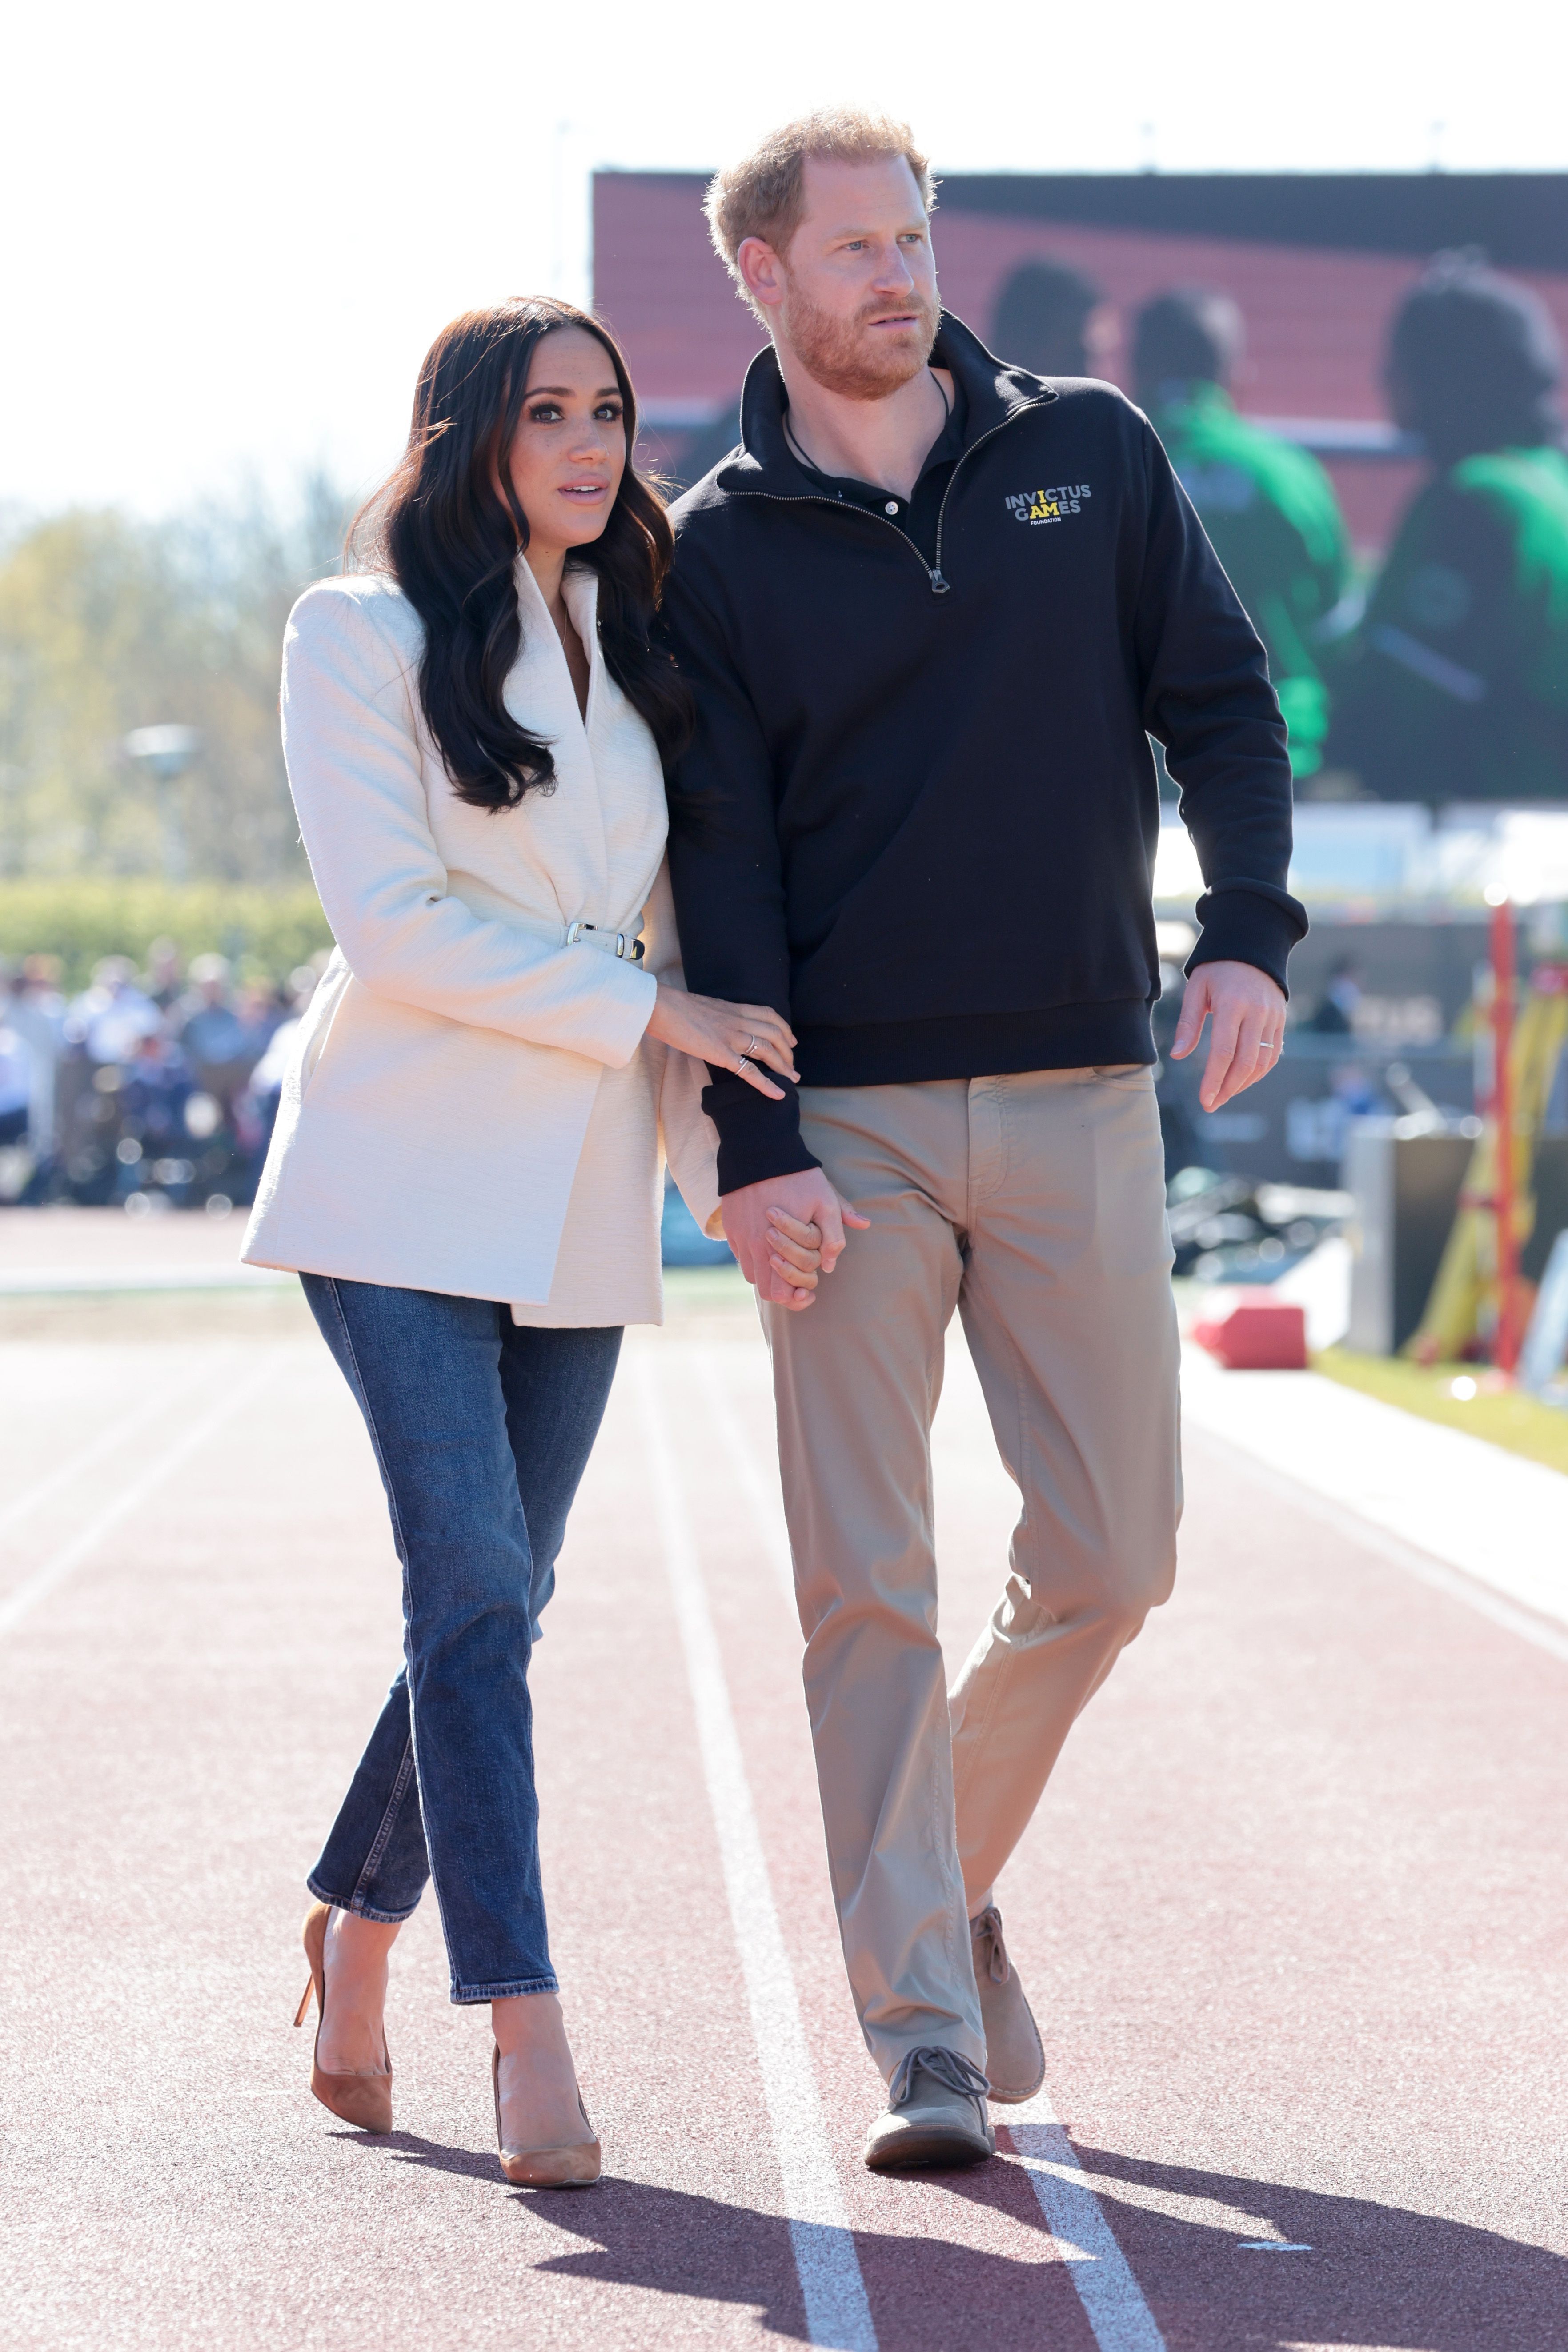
pixel 811 468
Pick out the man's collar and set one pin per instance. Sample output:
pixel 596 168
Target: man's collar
pixel 993 392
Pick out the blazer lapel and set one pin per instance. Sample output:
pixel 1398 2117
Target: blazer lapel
pixel 540 694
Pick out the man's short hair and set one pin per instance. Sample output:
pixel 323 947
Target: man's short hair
pixel 764 193
pixel 1479 357
pixel 1041 314
pixel 1190 335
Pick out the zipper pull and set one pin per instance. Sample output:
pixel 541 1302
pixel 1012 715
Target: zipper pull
pixel 939 584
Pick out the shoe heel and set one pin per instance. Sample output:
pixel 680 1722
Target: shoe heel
pixel 363 2100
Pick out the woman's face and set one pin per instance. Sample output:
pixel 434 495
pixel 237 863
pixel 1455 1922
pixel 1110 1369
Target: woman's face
pixel 570 449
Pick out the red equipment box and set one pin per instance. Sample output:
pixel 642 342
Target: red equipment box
pixel 1258 1334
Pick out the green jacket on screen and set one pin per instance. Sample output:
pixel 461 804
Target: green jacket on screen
pixel 1270 510
pixel 1454 687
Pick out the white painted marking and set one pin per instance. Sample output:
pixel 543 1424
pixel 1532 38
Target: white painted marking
pixel 1500 1520
pixel 119 1433
pixel 836 2311
pixel 1112 2297
pixel 1270 2246
pixel 1353 1529
pixel 761 1492
pixel 53 1573
pixel 69 1281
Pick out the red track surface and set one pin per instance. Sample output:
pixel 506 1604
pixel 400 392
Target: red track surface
pixel 1292 1918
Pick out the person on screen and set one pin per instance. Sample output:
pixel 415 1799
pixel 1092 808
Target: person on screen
pixel 930 616
pixel 464 1167
pixel 1269 508
pixel 1053 320
pixel 1454 687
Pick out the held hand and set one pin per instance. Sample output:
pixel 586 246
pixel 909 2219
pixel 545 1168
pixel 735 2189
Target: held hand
pixel 732 1036
pixel 795 1250
pixel 1249 1014
pixel 766 1222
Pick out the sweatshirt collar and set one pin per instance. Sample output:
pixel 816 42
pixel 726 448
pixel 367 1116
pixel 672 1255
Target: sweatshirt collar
pixel 993 393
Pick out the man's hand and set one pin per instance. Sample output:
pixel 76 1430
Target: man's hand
pixel 805 1198
pixel 1248 1011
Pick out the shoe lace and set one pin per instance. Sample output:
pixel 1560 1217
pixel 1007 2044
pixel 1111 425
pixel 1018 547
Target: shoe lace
pixel 948 2067
pixel 986 1929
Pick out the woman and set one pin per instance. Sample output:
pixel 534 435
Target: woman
pixel 465 1169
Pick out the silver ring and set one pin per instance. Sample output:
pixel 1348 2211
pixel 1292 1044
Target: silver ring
pixel 1269 1045
pixel 751 1045
pixel 744 1063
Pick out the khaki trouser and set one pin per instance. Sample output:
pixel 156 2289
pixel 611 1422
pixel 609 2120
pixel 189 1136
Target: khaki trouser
pixel 1035 1205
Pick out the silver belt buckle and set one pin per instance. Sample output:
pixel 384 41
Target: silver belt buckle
pixel 628 946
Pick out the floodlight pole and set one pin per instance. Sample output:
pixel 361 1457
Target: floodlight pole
pixel 166 753
pixel 1505 1194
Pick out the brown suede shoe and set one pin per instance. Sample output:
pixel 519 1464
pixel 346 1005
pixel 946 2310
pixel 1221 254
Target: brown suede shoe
pixel 936 2118
pixel 1015 2060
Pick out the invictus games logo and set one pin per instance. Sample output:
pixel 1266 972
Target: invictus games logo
pixel 1047 506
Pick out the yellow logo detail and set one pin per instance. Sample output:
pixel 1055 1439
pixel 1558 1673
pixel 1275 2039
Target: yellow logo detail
pixel 1047 506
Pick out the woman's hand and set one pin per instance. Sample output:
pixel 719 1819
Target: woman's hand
pixel 794 1253
pixel 732 1036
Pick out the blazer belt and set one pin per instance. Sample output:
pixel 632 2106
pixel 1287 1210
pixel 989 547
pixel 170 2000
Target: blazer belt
pixel 628 945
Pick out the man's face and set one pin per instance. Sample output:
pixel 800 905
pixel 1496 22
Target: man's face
pixel 855 297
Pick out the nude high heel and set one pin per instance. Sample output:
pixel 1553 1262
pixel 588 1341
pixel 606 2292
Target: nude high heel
pixel 363 2100
pixel 577 2167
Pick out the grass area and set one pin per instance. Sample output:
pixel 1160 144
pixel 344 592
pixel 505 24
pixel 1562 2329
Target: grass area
pixel 1502 1416
pixel 83 918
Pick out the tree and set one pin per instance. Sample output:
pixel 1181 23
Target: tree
pixel 107 624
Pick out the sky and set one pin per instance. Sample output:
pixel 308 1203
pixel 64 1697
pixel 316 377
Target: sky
pixel 231 231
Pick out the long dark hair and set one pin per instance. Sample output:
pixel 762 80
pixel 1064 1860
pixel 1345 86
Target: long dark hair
pixel 448 525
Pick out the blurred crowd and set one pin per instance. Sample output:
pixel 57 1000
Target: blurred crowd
pixel 151 1089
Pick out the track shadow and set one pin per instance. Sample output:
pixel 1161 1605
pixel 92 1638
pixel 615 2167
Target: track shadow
pixel 427 2155
pixel 926 2294
pixel 1377 2276
pixel 672 2241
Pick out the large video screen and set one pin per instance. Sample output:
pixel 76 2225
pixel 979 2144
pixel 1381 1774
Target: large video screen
pixel 1357 379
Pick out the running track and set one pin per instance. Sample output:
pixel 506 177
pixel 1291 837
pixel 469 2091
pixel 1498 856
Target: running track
pixel 1292 1917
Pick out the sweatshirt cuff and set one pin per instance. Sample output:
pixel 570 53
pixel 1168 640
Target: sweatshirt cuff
pixel 1249 923
pixel 757 1137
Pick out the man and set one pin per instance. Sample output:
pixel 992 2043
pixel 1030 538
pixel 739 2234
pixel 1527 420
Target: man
pixel 1456 685
pixel 1269 509
pixel 928 613
pixel 1054 321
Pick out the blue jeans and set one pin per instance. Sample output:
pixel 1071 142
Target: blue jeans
pixel 482 1430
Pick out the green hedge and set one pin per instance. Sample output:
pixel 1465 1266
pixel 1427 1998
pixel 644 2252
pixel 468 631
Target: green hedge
pixel 264 932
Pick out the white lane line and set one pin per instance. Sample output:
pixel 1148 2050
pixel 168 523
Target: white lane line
pixel 121 1433
pixel 1352 1528
pixel 1117 2313
pixel 761 1492
pixel 836 2311
pixel 1491 1515
pixel 53 1573
pixel 1112 2297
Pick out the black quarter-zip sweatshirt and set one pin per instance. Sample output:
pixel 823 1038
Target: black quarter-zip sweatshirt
pixel 920 811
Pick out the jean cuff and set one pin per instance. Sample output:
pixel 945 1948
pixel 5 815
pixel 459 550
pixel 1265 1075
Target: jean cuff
pixel 360 1909
pixel 461 1993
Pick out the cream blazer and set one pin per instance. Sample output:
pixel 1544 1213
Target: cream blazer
pixel 462 1064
